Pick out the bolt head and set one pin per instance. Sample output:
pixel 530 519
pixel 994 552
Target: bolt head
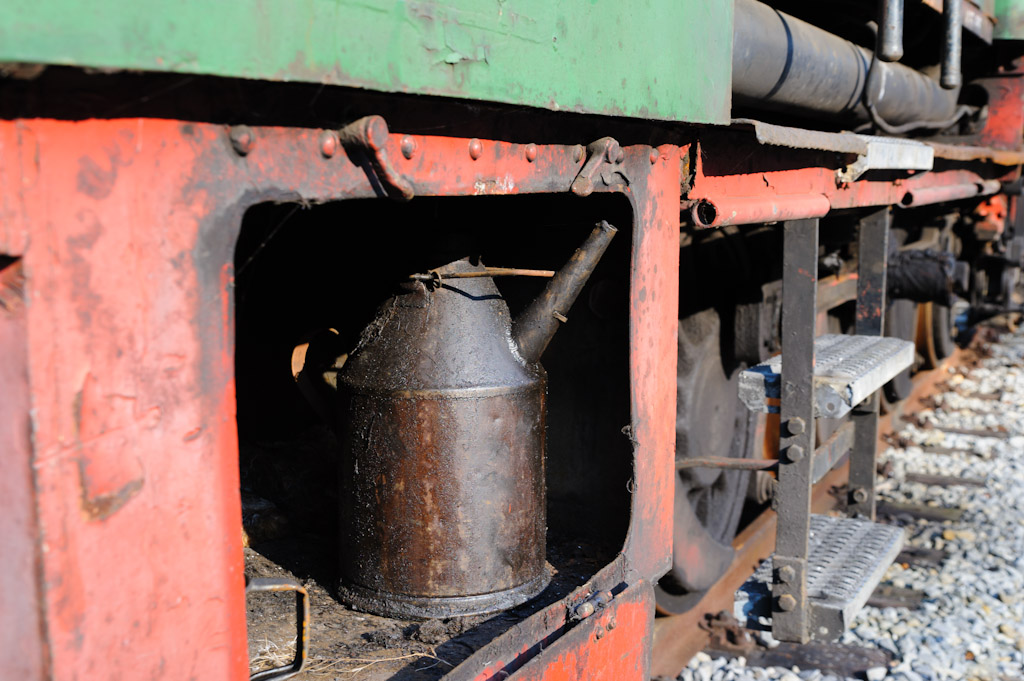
pixel 408 147
pixel 579 152
pixel 655 155
pixel 328 143
pixel 377 132
pixel 243 140
pixel 795 453
pixel 612 624
pixel 787 574
pixel 476 149
pixel 860 495
pixel 599 634
pixel 531 152
pixel 614 153
pixel 787 603
pixel 796 426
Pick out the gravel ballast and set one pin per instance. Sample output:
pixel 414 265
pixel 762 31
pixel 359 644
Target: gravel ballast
pixel 971 623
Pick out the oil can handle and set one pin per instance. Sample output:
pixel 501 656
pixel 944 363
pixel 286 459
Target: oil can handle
pixel 302 624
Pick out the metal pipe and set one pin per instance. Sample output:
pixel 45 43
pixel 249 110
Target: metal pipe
pixel 780 62
pixel 955 192
pixel 749 210
pixel 952 47
pixel 890 30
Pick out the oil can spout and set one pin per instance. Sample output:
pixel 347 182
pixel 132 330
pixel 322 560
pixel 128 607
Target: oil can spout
pixel 537 324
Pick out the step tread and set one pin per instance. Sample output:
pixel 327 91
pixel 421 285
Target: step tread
pixel 847 370
pixel 848 557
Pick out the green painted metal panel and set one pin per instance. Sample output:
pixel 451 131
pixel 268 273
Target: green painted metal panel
pixel 659 59
pixel 1009 20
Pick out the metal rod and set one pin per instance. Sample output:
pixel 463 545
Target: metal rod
pixel 952 47
pixel 890 30
pixel 486 272
pixel 727 462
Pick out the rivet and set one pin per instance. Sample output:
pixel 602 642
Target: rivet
pixel 328 143
pixel 408 147
pixel 787 574
pixel 612 624
pixel 242 139
pixel 795 453
pixel 787 603
pixel 796 425
pixel 599 634
pixel 860 495
pixel 655 155
pixel 476 149
pixel 578 152
pixel 531 152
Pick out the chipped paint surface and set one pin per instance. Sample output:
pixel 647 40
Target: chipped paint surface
pixel 594 58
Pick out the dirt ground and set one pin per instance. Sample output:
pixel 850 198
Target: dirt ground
pixel 345 644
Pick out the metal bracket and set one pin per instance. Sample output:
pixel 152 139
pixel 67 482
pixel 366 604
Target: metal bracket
pixel 604 162
pixel 364 141
pixel 885 153
pixel 302 625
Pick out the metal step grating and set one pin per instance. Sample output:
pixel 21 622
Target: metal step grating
pixel 848 557
pixel 847 369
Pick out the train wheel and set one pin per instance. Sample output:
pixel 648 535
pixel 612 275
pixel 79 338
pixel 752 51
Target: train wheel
pixel 935 333
pixel 900 322
pixel 710 421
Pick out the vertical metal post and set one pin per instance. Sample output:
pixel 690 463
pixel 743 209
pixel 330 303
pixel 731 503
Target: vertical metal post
pixel 791 614
pixel 953 13
pixel 873 254
pixel 890 30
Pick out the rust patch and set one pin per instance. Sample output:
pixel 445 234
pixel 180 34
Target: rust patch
pixel 96 181
pixel 12 285
pixel 102 506
pixel 107 422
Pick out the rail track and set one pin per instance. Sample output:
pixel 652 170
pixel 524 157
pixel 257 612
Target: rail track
pixel 678 638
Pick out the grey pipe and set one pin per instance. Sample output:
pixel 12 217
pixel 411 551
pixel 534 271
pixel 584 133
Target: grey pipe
pixel 890 30
pixel 780 62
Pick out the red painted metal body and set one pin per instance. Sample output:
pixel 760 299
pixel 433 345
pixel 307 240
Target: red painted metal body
pixel 124 349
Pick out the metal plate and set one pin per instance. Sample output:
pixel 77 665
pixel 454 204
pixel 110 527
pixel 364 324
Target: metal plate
pixel 847 559
pixel 847 370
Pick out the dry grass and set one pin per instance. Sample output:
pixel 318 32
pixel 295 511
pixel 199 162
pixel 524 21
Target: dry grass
pixel 270 655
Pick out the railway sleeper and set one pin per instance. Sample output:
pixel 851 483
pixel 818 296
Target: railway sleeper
pixel 824 568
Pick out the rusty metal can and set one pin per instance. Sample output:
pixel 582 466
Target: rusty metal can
pixel 443 494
